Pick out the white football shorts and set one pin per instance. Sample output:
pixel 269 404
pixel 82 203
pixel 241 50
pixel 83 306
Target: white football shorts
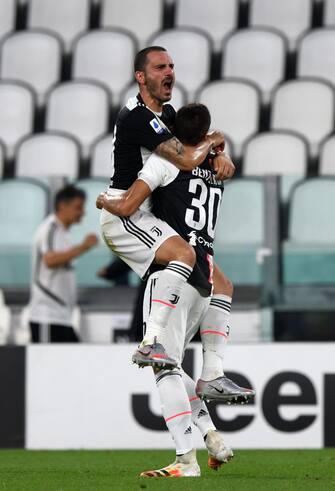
pixel 184 320
pixel 135 239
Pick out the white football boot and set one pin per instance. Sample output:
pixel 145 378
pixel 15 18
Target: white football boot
pixel 184 466
pixel 218 452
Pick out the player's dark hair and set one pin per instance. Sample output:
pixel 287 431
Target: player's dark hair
pixel 68 193
pixel 192 123
pixel 142 57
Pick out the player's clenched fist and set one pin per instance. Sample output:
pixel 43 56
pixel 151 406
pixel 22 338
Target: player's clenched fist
pixel 90 241
pixel 223 166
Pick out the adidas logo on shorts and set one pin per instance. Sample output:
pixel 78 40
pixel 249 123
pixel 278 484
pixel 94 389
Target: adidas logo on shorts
pixel 188 431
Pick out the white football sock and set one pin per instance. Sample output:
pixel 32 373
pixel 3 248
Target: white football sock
pixel 214 332
pixel 176 409
pixel 188 458
pixel 165 297
pixel 200 416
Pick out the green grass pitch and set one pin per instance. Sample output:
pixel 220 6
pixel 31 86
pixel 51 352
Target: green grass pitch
pixel 22 470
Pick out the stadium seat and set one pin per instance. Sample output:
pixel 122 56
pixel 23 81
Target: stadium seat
pixel 290 17
pixel 191 71
pixel 140 19
pixel 32 57
pixel 327 157
pixel 234 107
pixel 255 55
pixel 63 17
pixel 315 55
pixel 178 95
pixel 16 114
pixel 304 106
pixel 107 57
pixel 80 109
pixel 17 227
pixel 329 13
pixel 240 231
pixel 309 252
pixel 101 165
pixel 221 17
pixel 7 16
pixel 279 153
pixel 46 155
pixel 96 258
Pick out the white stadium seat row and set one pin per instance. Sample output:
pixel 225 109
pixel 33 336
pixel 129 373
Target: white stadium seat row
pixel 58 154
pixel 106 56
pixel 81 110
pixel 252 67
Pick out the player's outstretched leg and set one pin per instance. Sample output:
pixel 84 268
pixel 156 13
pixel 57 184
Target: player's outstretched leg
pixel 165 292
pixel 177 414
pixel 218 452
pixel 214 332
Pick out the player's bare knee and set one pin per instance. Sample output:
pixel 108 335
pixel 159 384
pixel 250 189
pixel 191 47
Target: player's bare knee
pixel 186 254
pixel 224 287
pixel 175 249
pixel 228 287
pixel 222 284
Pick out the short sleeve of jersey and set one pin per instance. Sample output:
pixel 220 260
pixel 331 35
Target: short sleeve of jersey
pixel 141 127
pixel 157 172
pixel 49 239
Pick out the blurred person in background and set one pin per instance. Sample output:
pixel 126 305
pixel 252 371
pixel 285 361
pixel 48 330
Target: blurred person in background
pixel 53 293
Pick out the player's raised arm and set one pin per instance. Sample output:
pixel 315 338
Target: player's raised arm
pixel 185 157
pixel 56 259
pixel 155 172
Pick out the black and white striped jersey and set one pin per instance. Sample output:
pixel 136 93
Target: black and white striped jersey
pixel 137 133
pixel 189 202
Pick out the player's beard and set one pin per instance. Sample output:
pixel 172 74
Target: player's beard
pixel 157 90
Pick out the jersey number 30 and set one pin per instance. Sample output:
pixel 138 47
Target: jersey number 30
pixel 204 211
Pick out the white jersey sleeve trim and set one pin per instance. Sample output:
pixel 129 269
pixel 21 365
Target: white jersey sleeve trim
pixel 157 172
pixel 132 103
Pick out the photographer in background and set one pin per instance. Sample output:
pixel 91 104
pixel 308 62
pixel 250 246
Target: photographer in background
pixel 53 292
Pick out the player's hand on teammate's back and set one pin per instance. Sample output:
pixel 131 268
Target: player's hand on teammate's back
pixel 223 166
pixel 89 241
